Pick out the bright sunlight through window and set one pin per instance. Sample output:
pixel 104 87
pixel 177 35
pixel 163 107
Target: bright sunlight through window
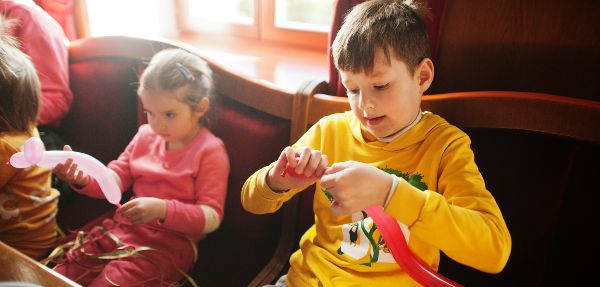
pixel 307 15
pixel 233 11
pixel 142 18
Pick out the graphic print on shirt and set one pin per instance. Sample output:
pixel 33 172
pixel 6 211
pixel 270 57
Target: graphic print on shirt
pixel 358 237
pixel 8 206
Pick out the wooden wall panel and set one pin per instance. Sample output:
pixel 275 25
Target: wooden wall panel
pixel 548 46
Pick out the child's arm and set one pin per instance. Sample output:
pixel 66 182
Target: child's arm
pixel 267 189
pixel 204 215
pixel 461 217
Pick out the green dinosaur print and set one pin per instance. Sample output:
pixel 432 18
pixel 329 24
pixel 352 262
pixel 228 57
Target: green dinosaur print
pixel 414 179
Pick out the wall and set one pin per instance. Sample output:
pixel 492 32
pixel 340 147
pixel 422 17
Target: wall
pixel 549 46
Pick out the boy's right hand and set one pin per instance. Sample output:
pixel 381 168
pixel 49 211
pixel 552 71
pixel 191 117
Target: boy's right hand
pixel 68 173
pixel 309 164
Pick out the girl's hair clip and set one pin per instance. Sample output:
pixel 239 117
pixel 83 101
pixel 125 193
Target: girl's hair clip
pixel 185 71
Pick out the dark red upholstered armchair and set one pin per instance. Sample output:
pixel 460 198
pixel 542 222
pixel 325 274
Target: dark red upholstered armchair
pixel 252 118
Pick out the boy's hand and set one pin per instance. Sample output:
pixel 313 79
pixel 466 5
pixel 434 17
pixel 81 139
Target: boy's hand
pixel 355 186
pixel 143 210
pixel 309 164
pixel 68 172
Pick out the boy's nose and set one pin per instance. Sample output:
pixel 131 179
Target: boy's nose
pixel 365 102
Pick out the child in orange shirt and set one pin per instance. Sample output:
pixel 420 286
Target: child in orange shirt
pixel 28 205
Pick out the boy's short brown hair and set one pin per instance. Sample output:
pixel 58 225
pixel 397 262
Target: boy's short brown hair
pixel 395 26
pixel 19 85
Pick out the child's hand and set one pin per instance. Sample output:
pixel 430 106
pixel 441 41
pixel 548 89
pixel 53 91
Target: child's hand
pixel 68 172
pixel 355 186
pixel 143 210
pixel 309 164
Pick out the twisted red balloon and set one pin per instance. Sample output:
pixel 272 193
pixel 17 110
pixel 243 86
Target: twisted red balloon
pixel 394 237
pixel 391 232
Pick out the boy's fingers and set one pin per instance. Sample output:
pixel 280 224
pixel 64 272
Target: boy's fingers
pixel 313 163
pixel 302 161
pixel 290 156
pixel 322 166
pixel 339 166
pixel 279 167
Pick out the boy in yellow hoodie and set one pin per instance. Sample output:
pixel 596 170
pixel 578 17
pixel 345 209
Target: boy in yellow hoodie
pixel 384 151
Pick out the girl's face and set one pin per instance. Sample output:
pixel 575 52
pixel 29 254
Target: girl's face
pixel 172 119
pixel 389 98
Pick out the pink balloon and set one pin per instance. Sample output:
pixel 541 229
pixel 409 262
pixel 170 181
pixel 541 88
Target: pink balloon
pixel 34 154
pixel 35 150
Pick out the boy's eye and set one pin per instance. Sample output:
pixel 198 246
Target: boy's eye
pixel 170 115
pixel 382 87
pixel 148 113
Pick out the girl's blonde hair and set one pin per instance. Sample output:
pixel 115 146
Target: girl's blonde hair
pixel 174 69
pixel 19 85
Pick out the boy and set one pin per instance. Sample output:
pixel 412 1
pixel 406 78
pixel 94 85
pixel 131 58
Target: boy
pixel 385 152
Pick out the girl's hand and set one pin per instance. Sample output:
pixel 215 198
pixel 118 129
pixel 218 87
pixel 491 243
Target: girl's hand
pixel 143 210
pixel 309 164
pixel 68 173
pixel 355 186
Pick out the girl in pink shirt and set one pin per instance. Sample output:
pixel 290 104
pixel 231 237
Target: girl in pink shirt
pixel 178 171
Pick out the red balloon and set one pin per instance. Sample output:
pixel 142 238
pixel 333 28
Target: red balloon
pixel 417 269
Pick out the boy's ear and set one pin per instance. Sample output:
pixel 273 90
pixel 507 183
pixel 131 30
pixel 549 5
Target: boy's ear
pixel 425 74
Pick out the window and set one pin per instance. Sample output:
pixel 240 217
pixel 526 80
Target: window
pixel 299 22
pixel 146 18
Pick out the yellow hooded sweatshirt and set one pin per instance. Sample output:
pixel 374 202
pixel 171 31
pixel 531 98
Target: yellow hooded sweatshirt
pixel 440 200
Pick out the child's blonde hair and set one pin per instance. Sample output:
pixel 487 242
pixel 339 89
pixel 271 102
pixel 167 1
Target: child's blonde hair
pixel 397 27
pixel 19 85
pixel 174 69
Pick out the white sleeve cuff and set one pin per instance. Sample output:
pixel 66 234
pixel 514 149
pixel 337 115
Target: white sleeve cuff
pixel 211 219
pixel 395 181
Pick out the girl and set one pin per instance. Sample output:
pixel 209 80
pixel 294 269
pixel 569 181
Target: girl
pixel 28 204
pixel 178 170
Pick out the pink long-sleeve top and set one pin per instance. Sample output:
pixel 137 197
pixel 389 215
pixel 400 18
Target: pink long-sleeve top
pixel 187 178
pixel 44 41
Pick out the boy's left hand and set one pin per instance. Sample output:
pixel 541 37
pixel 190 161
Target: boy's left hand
pixel 355 186
pixel 143 210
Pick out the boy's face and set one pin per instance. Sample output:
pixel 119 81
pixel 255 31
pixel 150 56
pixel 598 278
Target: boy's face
pixel 389 98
